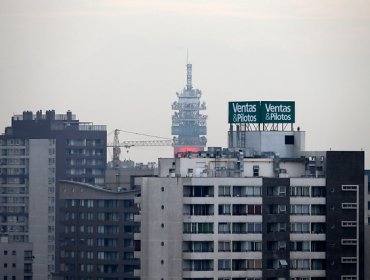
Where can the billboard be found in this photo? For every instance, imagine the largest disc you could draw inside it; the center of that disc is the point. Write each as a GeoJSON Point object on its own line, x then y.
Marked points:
{"type": "Point", "coordinates": [244, 112]}
{"type": "Point", "coordinates": [277, 112]}
{"type": "Point", "coordinates": [262, 112]}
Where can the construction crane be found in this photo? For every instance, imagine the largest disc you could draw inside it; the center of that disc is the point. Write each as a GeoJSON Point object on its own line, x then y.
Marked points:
{"type": "Point", "coordinates": [116, 145]}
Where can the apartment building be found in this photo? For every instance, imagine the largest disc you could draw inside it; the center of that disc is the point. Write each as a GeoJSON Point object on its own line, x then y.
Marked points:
{"type": "Point", "coordinates": [27, 195]}
{"type": "Point", "coordinates": [35, 152]}
{"type": "Point", "coordinates": [81, 154]}
{"type": "Point", "coordinates": [96, 232]}
{"type": "Point", "coordinates": [236, 214]}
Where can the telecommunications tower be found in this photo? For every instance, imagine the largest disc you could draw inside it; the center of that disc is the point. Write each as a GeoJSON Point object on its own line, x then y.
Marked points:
{"type": "Point", "coordinates": [189, 126]}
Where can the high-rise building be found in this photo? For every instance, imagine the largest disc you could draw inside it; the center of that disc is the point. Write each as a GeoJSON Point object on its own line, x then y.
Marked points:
{"type": "Point", "coordinates": [188, 124]}
{"type": "Point", "coordinates": [226, 215]}
{"type": "Point", "coordinates": [80, 146]}
{"type": "Point", "coordinates": [35, 153]}
{"type": "Point", "coordinates": [367, 223]}
{"type": "Point", "coordinates": [27, 195]}
{"type": "Point", "coordinates": [96, 232]}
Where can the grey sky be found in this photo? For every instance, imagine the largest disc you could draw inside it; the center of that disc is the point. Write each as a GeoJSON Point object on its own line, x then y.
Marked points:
{"type": "Point", "coordinates": [120, 63]}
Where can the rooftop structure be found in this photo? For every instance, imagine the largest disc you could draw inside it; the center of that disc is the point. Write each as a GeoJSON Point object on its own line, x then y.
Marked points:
{"type": "Point", "coordinates": [188, 124]}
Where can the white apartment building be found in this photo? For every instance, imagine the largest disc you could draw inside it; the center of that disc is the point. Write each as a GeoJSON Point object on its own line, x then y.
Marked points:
{"type": "Point", "coordinates": [224, 214]}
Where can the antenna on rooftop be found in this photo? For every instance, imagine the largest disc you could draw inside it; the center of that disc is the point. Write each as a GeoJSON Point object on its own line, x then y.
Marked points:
{"type": "Point", "coordinates": [189, 85]}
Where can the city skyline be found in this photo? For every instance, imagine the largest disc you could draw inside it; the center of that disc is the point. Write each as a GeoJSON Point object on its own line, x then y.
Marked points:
{"type": "Point", "coordinates": [121, 63]}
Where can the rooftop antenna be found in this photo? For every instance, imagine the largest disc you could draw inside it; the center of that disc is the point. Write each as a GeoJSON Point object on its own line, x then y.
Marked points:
{"type": "Point", "coordinates": [189, 85]}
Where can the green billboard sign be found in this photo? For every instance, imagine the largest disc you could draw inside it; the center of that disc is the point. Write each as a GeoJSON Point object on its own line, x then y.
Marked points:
{"type": "Point", "coordinates": [262, 112]}
{"type": "Point", "coordinates": [277, 112]}
{"type": "Point", "coordinates": [244, 112]}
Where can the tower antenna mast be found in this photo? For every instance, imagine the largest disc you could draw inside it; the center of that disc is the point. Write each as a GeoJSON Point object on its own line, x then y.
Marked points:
{"type": "Point", "coordinates": [189, 85]}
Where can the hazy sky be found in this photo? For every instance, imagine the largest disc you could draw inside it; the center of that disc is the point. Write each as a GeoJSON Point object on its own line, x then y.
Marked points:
{"type": "Point", "coordinates": [120, 63]}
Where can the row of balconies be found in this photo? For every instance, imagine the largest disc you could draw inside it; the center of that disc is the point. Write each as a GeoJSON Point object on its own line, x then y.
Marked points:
{"type": "Point", "coordinates": [254, 191]}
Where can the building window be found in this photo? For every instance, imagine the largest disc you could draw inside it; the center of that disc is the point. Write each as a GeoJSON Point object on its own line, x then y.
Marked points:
{"type": "Point", "coordinates": [349, 187]}
{"type": "Point", "coordinates": [253, 191]}
{"type": "Point", "coordinates": [318, 209]}
{"type": "Point", "coordinates": [349, 242]}
{"type": "Point", "coordinates": [224, 227]}
{"type": "Point", "coordinates": [299, 209]}
{"type": "Point", "coordinates": [276, 209]}
{"type": "Point", "coordinates": [224, 246]}
{"type": "Point", "coordinates": [90, 203]}
{"type": "Point", "coordinates": [89, 268]}
{"type": "Point", "coordinates": [254, 227]}
{"type": "Point", "coordinates": [253, 246]}
{"type": "Point", "coordinates": [303, 264]}
{"type": "Point", "coordinates": [300, 191]}
{"type": "Point", "coordinates": [276, 191]}
{"type": "Point", "coordinates": [289, 139]}
{"type": "Point", "coordinates": [198, 227]}
{"type": "Point", "coordinates": [253, 264]}
{"type": "Point", "coordinates": [224, 209]}
{"type": "Point", "coordinates": [300, 246]}
{"type": "Point", "coordinates": [318, 191]}
{"type": "Point", "coordinates": [351, 205]}
{"type": "Point", "coordinates": [349, 223]}
{"type": "Point", "coordinates": [128, 243]}
{"type": "Point", "coordinates": [349, 260]}
{"type": "Point", "coordinates": [276, 227]}
{"type": "Point", "coordinates": [256, 170]}
{"type": "Point", "coordinates": [239, 228]}
{"type": "Point", "coordinates": [224, 191]}
{"type": "Point", "coordinates": [28, 255]}
{"type": "Point", "coordinates": [224, 264]}
{"type": "Point", "coordinates": [128, 203]}
{"type": "Point", "coordinates": [128, 255]}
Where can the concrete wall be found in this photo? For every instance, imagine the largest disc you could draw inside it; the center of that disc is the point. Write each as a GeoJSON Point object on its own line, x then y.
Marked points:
{"type": "Point", "coordinates": [39, 207]}
{"type": "Point", "coordinates": [270, 141]}
{"type": "Point", "coordinates": [161, 221]}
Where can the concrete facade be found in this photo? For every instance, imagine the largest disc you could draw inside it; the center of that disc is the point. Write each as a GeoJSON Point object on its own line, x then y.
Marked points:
{"type": "Point", "coordinates": [28, 195]}
{"type": "Point", "coordinates": [42, 207]}
{"type": "Point", "coordinates": [283, 143]}
{"type": "Point", "coordinates": [96, 232]}
{"type": "Point", "coordinates": [213, 216]}
{"type": "Point", "coordinates": [15, 259]}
